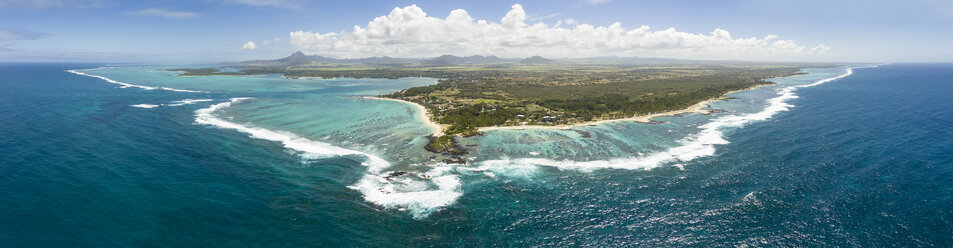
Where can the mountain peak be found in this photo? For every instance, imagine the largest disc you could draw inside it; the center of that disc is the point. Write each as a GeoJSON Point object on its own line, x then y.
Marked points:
{"type": "Point", "coordinates": [536, 60]}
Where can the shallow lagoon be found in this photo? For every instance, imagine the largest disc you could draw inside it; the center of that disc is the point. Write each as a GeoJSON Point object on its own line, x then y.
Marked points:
{"type": "Point", "coordinates": [855, 162]}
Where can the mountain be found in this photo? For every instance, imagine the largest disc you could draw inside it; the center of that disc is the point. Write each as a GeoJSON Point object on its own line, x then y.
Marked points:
{"type": "Point", "coordinates": [536, 60]}
{"type": "Point", "coordinates": [299, 58]}
{"type": "Point", "coordinates": [448, 60]}
{"type": "Point", "coordinates": [296, 58]}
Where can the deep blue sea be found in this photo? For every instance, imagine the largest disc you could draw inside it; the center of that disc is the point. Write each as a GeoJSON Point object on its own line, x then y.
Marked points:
{"type": "Point", "coordinates": [865, 160]}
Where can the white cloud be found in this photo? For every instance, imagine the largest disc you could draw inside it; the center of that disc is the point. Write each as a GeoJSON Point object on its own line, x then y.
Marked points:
{"type": "Point", "coordinates": [821, 49]}
{"type": "Point", "coordinates": [249, 46]}
{"type": "Point", "coordinates": [165, 13]}
{"type": "Point", "coordinates": [598, 1]}
{"type": "Point", "coordinates": [410, 32]}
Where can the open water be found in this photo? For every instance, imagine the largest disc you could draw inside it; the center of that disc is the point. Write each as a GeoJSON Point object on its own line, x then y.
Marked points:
{"type": "Point", "coordinates": [117, 156]}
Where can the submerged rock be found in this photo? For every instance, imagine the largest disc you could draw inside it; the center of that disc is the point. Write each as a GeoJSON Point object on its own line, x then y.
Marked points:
{"type": "Point", "coordinates": [455, 160]}
{"type": "Point", "coordinates": [394, 174]}
{"type": "Point", "coordinates": [584, 134]}
{"type": "Point", "coordinates": [654, 122]}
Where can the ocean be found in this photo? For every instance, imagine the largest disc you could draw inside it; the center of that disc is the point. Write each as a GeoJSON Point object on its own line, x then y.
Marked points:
{"type": "Point", "coordinates": [96, 155]}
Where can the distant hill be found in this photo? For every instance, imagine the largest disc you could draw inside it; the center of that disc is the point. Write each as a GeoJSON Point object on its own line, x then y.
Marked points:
{"type": "Point", "coordinates": [299, 58]}
{"type": "Point", "coordinates": [448, 60]}
{"type": "Point", "coordinates": [296, 58]}
{"type": "Point", "coordinates": [536, 60]}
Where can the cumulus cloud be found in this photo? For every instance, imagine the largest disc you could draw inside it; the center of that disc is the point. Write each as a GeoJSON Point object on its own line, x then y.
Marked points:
{"type": "Point", "coordinates": [249, 46]}
{"type": "Point", "coordinates": [12, 34]}
{"type": "Point", "coordinates": [410, 32]}
{"type": "Point", "coordinates": [165, 13]}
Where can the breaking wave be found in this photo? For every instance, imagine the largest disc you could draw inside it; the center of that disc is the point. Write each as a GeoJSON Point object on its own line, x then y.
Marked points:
{"type": "Point", "coordinates": [180, 90]}
{"type": "Point", "coordinates": [144, 105]}
{"type": "Point", "coordinates": [420, 194]}
{"type": "Point", "coordinates": [128, 85]}
{"type": "Point", "coordinates": [701, 144]}
{"type": "Point", "coordinates": [187, 102]}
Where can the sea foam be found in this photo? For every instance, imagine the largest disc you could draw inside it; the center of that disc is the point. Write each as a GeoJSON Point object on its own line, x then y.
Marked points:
{"type": "Point", "coordinates": [437, 190]}
{"type": "Point", "coordinates": [701, 144]}
{"type": "Point", "coordinates": [187, 102]}
{"type": "Point", "coordinates": [128, 85]}
{"type": "Point", "coordinates": [412, 194]}
{"type": "Point", "coordinates": [180, 90]}
{"type": "Point", "coordinates": [144, 105]}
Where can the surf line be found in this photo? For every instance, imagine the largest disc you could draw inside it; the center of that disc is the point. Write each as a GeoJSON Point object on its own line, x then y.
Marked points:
{"type": "Point", "coordinates": [377, 186]}
{"type": "Point", "coordinates": [128, 85]}
{"type": "Point", "coordinates": [701, 144]}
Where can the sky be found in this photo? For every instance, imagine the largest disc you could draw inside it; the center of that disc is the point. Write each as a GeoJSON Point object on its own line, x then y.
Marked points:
{"type": "Point", "coordinates": [210, 31]}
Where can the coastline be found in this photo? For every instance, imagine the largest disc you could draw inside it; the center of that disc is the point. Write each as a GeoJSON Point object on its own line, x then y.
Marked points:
{"type": "Point", "coordinates": [423, 115]}
{"type": "Point", "coordinates": [697, 108]}
{"type": "Point", "coordinates": [438, 128]}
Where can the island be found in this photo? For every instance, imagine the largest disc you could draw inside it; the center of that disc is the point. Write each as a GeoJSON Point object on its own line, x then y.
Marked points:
{"type": "Point", "coordinates": [481, 93]}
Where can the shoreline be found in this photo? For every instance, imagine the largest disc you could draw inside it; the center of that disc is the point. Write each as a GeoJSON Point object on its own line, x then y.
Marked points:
{"type": "Point", "coordinates": [438, 128]}
{"type": "Point", "coordinates": [423, 115]}
{"type": "Point", "coordinates": [696, 108]}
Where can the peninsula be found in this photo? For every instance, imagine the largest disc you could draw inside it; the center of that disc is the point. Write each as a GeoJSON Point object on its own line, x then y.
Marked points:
{"type": "Point", "coordinates": [480, 93]}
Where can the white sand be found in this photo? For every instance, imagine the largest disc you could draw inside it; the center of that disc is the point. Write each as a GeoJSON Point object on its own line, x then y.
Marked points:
{"type": "Point", "coordinates": [422, 114]}
{"type": "Point", "coordinates": [697, 108]}
{"type": "Point", "coordinates": [438, 128]}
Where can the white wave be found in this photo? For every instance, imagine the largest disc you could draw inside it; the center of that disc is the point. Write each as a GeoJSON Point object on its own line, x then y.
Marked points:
{"type": "Point", "coordinates": [123, 85]}
{"type": "Point", "coordinates": [128, 85]}
{"type": "Point", "coordinates": [187, 101]}
{"type": "Point", "coordinates": [419, 201]}
{"type": "Point", "coordinates": [147, 106]}
{"type": "Point", "coordinates": [181, 90]}
{"type": "Point", "coordinates": [698, 145]}
{"type": "Point", "coordinates": [412, 193]}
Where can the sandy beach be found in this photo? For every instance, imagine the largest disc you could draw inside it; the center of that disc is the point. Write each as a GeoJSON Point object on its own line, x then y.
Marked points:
{"type": "Point", "coordinates": [697, 108]}
{"type": "Point", "coordinates": [422, 114]}
{"type": "Point", "coordinates": [438, 128]}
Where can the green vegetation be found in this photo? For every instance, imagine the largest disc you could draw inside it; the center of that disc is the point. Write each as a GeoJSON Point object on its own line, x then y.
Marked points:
{"type": "Point", "coordinates": [445, 145]}
{"type": "Point", "coordinates": [556, 97]}
{"type": "Point", "coordinates": [477, 91]}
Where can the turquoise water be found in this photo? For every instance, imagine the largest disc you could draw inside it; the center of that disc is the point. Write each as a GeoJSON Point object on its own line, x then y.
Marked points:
{"type": "Point", "coordinates": [862, 160]}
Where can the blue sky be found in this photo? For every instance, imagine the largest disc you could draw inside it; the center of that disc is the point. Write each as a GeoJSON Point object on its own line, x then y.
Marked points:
{"type": "Point", "coordinates": [216, 30]}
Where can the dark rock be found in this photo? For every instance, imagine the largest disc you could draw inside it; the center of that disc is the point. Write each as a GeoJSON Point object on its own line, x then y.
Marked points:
{"type": "Point", "coordinates": [394, 174]}
{"type": "Point", "coordinates": [455, 160]}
